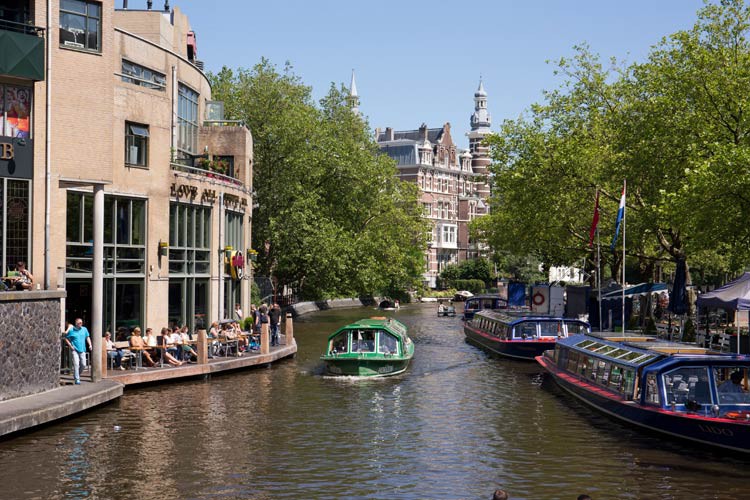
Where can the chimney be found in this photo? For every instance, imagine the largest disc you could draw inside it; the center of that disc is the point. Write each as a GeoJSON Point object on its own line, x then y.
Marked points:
{"type": "Point", "coordinates": [166, 5]}
{"type": "Point", "coordinates": [423, 131]}
{"type": "Point", "coordinates": [377, 134]}
{"type": "Point", "coordinates": [388, 134]}
{"type": "Point", "coordinates": [125, 4]}
{"type": "Point", "coordinates": [149, 4]}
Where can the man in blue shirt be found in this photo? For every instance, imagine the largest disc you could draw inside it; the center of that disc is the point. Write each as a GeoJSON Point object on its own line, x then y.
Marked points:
{"type": "Point", "coordinates": [78, 339]}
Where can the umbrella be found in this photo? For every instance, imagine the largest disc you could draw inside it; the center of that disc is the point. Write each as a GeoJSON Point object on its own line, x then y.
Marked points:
{"type": "Point", "coordinates": [678, 303]}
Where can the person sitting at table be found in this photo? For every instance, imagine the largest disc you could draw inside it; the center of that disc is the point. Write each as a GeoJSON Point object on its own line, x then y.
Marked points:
{"type": "Point", "coordinates": [213, 339]}
{"type": "Point", "coordinates": [137, 342]}
{"type": "Point", "coordinates": [242, 343]}
{"type": "Point", "coordinates": [175, 339]}
{"type": "Point", "coordinates": [168, 356]}
{"type": "Point", "coordinates": [113, 353]}
{"type": "Point", "coordinates": [23, 280]}
{"type": "Point", "coordinates": [150, 340]}
{"type": "Point", "coordinates": [188, 353]}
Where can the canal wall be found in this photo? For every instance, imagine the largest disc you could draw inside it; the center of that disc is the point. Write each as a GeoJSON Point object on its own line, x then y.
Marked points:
{"type": "Point", "coordinates": [301, 308]}
{"type": "Point", "coordinates": [29, 342]}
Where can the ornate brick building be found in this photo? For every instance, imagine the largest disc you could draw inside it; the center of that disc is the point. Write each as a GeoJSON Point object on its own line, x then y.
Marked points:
{"type": "Point", "coordinates": [452, 181]}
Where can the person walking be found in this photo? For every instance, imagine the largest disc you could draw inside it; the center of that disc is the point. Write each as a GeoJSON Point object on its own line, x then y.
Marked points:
{"type": "Point", "coordinates": [274, 316]}
{"type": "Point", "coordinates": [78, 339]}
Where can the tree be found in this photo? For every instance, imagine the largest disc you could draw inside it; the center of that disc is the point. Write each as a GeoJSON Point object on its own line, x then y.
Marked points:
{"type": "Point", "coordinates": [331, 214]}
{"type": "Point", "coordinates": [674, 126]}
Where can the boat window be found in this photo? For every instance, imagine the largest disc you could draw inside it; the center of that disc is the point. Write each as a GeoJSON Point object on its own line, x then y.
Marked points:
{"type": "Point", "coordinates": [387, 343]}
{"type": "Point", "coordinates": [731, 385]}
{"type": "Point", "coordinates": [628, 381]}
{"type": "Point", "coordinates": [340, 343]}
{"type": "Point", "coordinates": [585, 344]}
{"type": "Point", "coordinates": [573, 361]}
{"type": "Point", "coordinates": [525, 330]}
{"type": "Point", "coordinates": [652, 390]}
{"type": "Point", "coordinates": [606, 349]}
{"type": "Point", "coordinates": [363, 341]}
{"type": "Point", "coordinates": [615, 378]}
{"type": "Point", "coordinates": [617, 353]}
{"type": "Point", "coordinates": [689, 383]}
{"type": "Point", "coordinates": [594, 346]}
{"type": "Point", "coordinates": [585, 366]}
{"type": "Point", "coordinates": [603, 371]}
{"type": "Point", "coordinates": [574, 328]}
{"type": "Point", "coordinates": [550, 328]}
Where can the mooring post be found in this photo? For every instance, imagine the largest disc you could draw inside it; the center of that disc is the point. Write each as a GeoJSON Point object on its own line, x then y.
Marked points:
{"type": "Point", "coordinates": [289, 330]}
{"type": "Point", "coordinates": [202, 347]}
{"type": "Point", "coordinates": [265, 342]}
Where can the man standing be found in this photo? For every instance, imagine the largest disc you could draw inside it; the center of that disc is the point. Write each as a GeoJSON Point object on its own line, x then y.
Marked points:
{"type": "Point", "coordinates": [78, 339]}
{"type": "Point", "coordinates": [238, 313]}
{"type": "Point", "coordinates": [275, 320]}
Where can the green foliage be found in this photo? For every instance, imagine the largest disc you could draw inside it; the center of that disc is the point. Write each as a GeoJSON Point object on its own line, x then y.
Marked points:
{"type": "Point", "coordinates": [254, 293]}
{"type": "Point", "coordinates": [650, 328]}
{"type": "Point", "coordinates": [337, 219]}
{"type": "Point", "coordinates": [474, 286]}
{"type": "Point", "coordinates": [674, 126]}
{"type": "Point", "coordinates": [247, 324]}
{"type": "Point", "coordinates": [472, 269]}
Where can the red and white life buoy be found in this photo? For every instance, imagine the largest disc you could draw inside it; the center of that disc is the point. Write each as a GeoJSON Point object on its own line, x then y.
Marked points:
{"type": "Point", "coordinates": [538, 299]}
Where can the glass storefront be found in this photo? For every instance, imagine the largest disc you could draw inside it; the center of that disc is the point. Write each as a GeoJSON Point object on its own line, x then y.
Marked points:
{"type": "Point", "coordinates": [124, 260]}
{"type": "Point", "coordinates": [189, 265]}
{"type": "Point", "coordinates": [15, 223]}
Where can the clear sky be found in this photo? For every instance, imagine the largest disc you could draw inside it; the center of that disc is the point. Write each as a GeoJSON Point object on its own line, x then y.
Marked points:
{"type": "Point", "coordinates": [418, 61]}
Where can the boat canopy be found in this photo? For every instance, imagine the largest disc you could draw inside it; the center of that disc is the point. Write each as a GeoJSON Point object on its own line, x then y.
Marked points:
{"type": "Point", "coordinates": [620, 353]}
{"type": "Point", "coordinates": [641, 289]}
{"type": "Point", "coordinates": [391, 325]}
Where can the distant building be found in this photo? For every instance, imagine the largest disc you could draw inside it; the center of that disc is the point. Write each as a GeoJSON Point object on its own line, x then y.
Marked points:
{"type": "Point", "coordinates": [452, 181]}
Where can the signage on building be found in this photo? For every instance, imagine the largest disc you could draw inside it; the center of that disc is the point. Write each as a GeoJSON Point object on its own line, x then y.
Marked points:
{"type": "Point", "coordinates": [16, 157]}
{"type": "Point", "coordinates": [190, 193]}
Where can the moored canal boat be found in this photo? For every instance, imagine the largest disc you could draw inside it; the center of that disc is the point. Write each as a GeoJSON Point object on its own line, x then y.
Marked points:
{"type": "Point", "coordinates": [519, 335]}
{"type": "Point", "coordinates": [481, 302]}
{"type": "Point", "coordinates": [676, 389]}
{"type": "Point", "coordinates": [374, 347]}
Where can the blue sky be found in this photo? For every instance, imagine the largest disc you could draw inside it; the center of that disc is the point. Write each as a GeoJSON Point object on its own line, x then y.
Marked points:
{"type": "Point", "coordinates": [420, 61]}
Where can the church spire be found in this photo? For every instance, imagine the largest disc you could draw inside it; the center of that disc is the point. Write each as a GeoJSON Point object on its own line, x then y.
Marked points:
{"type": "Point", "coordinates": [480, 119]}
{"type": "Point", "coordinates": [353, 96]}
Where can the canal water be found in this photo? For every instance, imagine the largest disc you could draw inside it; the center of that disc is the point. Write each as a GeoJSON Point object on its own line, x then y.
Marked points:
{"type": "Point", "coordinates": [457, 425]}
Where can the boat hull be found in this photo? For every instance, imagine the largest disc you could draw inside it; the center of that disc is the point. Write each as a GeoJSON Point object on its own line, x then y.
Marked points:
{"type": "Point", "coordinates": [518, 349]}
{"type": "Point", "coordinates": [366, 367]}
{"type": "Point", "coordinates": [720, 432]}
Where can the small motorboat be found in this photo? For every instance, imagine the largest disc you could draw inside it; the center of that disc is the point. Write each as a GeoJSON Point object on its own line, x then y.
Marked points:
{"type": "Point", "coordinates": [446, 310]}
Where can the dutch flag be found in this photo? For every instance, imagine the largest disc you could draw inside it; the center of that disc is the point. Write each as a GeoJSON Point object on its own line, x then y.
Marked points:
{"type": "Point", "coordinates": [620, 216]}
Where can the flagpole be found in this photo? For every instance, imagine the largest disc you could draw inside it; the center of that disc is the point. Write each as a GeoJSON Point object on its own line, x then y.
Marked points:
{"type": "Point", "coordinates": [624, 225]}
{"type": "Point", "coordinates": [599, 274]}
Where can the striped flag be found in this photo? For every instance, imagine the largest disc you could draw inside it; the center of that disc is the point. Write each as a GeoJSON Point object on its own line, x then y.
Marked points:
{"type": "Point", "coordinates": [620, 216]}
{"type": "Point", "coordinates": [595, 221]}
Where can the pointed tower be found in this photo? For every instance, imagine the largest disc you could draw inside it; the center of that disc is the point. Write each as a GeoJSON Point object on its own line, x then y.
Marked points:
{"type": "Point", "coordinates": [353, 96]}
{"type": "Point", "coordinates": [480, 127]}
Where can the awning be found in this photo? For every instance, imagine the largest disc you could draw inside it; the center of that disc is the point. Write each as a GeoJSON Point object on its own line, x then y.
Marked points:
{"type": "Point", "coordinates": [637, 290]}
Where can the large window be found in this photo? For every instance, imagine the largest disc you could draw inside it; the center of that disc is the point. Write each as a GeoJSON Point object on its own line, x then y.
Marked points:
{"type": "Point", "coordinates": [80, 24]}
{"type": "Point", "coordinates": [140, 75]}
{"type": "Point", "coordinates": [15, 223]}
{"type": "Point", "coordinates": [136, 145]}
{"type": "Point", "coordinates": [124, 259]}
{"type": "Point", "coordinates": [187, 120]}
{"type": "Point", "coordinates": [15, 111]}
{"type": "Point", "coordinates": [234, 237]}
{"type": "Point", "coordinates": [189, 265]}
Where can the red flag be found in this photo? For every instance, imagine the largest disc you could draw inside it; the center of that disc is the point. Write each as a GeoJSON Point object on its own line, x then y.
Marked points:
{"type": "Point", "coordinates": [595, 221]}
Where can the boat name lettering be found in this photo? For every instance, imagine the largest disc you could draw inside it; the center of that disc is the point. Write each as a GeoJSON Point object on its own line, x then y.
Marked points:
{"type": "Point", "coordinates": [716, 430]}
{"type": "Point", "coordinates": [385, 369]}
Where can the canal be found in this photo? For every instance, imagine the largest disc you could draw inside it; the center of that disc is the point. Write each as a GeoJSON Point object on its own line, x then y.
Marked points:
{"type": "Point", "coordinates": [457, 425]}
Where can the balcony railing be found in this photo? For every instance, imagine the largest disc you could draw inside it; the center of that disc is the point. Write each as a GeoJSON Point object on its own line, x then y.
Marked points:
{"type": "Point", "coordinates": [208, 173]}
{"type": "Point", "coordinates": [223, 123]}
{"type": "Point", "coordinates": [25, 28]}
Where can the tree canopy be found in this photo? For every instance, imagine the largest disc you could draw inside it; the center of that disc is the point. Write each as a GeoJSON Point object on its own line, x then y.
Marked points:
{"type": "Point", "coordinates": [331, 211]}
{"type": "Point", "coordinates": [674, 126]}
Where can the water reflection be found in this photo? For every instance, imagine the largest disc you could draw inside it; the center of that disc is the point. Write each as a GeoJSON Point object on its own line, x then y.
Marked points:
{"type": "Point", "coordinates": [457, 424]}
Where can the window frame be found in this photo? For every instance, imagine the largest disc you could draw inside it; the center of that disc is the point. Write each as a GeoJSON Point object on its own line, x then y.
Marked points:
{"type": "Point", "coordinates": [86, 32]}
{"type": "Point", "coordinates": [132, 136]}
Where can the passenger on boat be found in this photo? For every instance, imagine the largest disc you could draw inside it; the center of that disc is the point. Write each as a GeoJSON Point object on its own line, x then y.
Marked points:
{"type": "Point", "coordinates": [733, 385]}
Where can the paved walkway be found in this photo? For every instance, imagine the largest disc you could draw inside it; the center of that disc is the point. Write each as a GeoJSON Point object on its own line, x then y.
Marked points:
{"type": "Point", "coordinates": [23, 413]}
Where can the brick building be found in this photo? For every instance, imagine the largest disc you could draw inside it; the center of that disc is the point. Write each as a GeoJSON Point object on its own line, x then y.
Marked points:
{"type": "Point", "coordinates": [121, 182]}
{"type": "Point", "coordinates": [452, 181]}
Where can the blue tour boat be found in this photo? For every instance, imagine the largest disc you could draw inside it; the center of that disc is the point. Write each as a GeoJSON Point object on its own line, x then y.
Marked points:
{"type": "Point", "coordinates": [482, 302]}
{"type": "Point", "coordinates": [519, 334]}
{"type": "Point", "coordinates": [673, 388]}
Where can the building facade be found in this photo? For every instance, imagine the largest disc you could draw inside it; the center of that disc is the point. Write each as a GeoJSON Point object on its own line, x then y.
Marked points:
{"type": "Point", "coordinates": [452, 182]}
{"type": "Point", "coordinates": [122, 184]}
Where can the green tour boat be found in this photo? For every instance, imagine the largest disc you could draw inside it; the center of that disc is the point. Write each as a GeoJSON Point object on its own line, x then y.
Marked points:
{"type": "Point", "coordinates": [374, 347]}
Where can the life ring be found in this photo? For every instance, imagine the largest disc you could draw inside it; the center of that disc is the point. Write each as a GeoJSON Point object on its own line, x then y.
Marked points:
{"type": "Point", "coordinates": [538, 299]}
